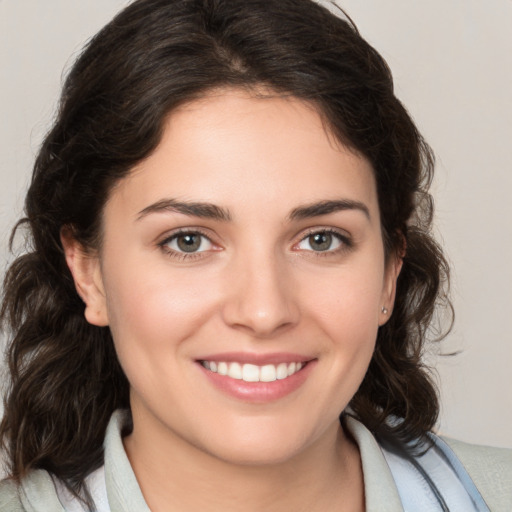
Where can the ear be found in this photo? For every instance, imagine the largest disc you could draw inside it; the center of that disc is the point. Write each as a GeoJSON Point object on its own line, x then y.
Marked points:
{"type": "Point", "coordinates": [86, 272]}
{"type": "Point", "coordinates": [393, 268]}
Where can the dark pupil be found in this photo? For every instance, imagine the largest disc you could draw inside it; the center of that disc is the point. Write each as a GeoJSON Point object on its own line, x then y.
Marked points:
{"type": "Point", "coordinates": [320, 241]}
{"type": "Point", "coordinates": [189, 243]}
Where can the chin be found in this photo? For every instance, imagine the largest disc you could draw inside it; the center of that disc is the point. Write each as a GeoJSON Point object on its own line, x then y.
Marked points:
{"type": "Point", "coordinates": [256, 453]}
{"type": "Point", "coordinates": [259, 443]}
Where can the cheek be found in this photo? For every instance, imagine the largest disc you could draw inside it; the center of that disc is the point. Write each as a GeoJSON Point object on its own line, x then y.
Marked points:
{"type": "Point", "coordinates": [348, 302]}
{"type": "Point", "coordinates": [153, 321]}
{"type": "Point", "coordinates": [346, 308]}
{"type": "Point", "coordinates": [151, 314]}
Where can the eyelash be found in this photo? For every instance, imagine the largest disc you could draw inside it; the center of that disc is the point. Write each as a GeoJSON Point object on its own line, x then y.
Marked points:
{"type": "Point", "coordinates": [183, 256]}
{"type": "Point", "coordinates": [345, 243]}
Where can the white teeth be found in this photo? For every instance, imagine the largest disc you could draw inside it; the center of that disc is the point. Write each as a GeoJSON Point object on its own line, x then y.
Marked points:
{"type": "Point", "coordinates": [222, 369]}
{"type": "Point", "coordinates": [268, 373]}
{"type": "Point", "coordinates": [282, 371]}
{"type": "Point", "coordinates": [235, 371]}
{"type": "Point", "coordinates": [252, 372]}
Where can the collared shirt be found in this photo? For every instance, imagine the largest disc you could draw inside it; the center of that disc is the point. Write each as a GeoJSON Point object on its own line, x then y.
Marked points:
{"type": "Point", "coordinates": [392, 483]}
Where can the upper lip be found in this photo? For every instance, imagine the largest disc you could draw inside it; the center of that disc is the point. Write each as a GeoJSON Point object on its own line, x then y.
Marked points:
{"type": "Point", "coordinates": [257, 359]}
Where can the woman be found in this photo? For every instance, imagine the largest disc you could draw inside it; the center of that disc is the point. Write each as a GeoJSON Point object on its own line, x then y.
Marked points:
{"type": "Point", "coordinates": [230, 249]}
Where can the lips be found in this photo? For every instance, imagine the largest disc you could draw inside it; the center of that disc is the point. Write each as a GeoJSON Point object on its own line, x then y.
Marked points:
{"type": "Point", "coordinates": [257, 378]}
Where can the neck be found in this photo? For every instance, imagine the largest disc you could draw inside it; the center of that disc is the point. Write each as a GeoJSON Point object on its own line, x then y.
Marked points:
{"type": "Point", "coordinates": [173, 475]}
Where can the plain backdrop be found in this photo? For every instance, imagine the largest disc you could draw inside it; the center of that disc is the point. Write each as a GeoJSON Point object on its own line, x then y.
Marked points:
{"type": "Point", "coordinates": [451, 60]}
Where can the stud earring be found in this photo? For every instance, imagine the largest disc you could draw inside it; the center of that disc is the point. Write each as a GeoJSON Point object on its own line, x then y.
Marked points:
{"type": "Point", "coordinates": [384, 310]}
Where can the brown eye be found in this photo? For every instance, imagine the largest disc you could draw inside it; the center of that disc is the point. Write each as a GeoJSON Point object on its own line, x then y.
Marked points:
{"type": "Point", "coordinates": [323, 241]}
{"type": "Point", "coordinates": [320, 241]}
{"type": "Point", "coordinates": [187, 243]}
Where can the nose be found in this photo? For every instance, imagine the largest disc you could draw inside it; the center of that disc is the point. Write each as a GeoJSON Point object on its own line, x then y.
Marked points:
{"type": "Point", "coordinates": [261, 298]}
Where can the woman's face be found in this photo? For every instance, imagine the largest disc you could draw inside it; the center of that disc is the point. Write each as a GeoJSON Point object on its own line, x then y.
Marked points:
{"type": "Point", "coordinates": [247, 245]}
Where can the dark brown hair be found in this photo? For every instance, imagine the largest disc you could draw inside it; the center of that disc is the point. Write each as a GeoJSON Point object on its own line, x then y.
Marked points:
{"type": "Point", "coordinates": [156, 55]}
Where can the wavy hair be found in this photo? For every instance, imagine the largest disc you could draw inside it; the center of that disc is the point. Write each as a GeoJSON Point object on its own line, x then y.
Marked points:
{"type": "Point", "coordinates": [65, 379]}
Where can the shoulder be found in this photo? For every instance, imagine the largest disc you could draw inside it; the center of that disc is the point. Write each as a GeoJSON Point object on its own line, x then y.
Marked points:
{"type": "Point", "coordinates": [483, 458]}
{"type": "Point", "coordinates": [35, 493]}
{"type": "Point", "coordinates": [9, 497]}
{"type": "Point", "coordinates": [491, 470]}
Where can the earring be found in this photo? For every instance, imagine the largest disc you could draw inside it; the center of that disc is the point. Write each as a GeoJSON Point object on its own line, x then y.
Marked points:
{"type": "Point", "coordinates": [384, 310]}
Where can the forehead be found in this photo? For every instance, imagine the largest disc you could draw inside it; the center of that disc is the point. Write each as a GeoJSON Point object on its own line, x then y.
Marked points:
{"type": "Point", "coordinates": [239, 150]}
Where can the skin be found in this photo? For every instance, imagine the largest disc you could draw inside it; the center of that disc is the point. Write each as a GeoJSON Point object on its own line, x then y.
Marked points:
{"type": "Point", "coordinates": [257, 285]}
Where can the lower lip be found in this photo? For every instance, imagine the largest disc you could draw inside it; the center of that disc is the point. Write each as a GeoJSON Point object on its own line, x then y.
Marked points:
{"type": "Point", "coordinates": [259, 392]}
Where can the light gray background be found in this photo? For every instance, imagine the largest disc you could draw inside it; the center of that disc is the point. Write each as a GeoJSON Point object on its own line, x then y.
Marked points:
{"type": "Point", "coordinates": [452, 65]}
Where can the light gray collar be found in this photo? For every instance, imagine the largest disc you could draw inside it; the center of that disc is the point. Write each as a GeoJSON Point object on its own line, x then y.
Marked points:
{"type": "Point", "coordinates": [124, 494]}
{"type": "Point", "coordinates": [381, 493]}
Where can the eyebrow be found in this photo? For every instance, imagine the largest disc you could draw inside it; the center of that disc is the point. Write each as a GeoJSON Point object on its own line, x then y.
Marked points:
{"type": "Point", "coordinates": [214, 212]}
{"type": "Point", "coordinates": [202, 210]}
{"type": "Point", "coordinates": [326, 207]}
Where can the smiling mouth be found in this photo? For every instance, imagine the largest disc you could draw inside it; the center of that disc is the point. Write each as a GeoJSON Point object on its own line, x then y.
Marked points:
{"type": "Point", "coordinates": [254, 373]}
